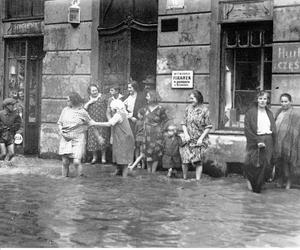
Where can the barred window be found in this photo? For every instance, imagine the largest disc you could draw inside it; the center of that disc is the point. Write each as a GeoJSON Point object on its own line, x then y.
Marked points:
{"type": "Point", "coordinates": [246, 68]}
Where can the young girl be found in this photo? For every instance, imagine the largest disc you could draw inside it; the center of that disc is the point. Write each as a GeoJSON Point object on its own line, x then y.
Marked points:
{"type": "Point", "coordinates": [171, 157]}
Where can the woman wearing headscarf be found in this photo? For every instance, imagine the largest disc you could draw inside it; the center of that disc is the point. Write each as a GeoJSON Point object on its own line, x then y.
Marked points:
{"type": "Point", "coordinates": [288, 138]}
{"type": "Point", "coordinates": [123, 141]}
{"type": "Point", "coordinates": [260, 132]}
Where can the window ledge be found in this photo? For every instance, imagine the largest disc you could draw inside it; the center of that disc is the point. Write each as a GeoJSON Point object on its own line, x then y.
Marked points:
{"type": "Point", "coordinates": [227, 132]}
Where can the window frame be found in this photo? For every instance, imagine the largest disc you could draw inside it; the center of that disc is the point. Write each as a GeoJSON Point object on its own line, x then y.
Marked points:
{"type": "Point", "coordinates": [250, 27]}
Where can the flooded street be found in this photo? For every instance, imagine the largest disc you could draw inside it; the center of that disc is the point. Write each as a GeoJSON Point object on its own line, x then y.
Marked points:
{"type": "Point", "coordinates": [41, 209]}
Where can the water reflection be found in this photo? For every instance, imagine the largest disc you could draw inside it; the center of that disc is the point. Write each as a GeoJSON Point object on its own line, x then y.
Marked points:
{"type": "Point", "coordinates": [39, 210]}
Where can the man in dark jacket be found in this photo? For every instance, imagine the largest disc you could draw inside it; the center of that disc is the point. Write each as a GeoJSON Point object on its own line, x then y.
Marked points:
{"type": "Point", "coordinates": [10, 125]}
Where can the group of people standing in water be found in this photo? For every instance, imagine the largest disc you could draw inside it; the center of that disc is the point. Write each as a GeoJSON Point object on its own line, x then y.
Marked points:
{"type": "Point", "coordinates": [273, 145]}
{"type": "Point", "coordinates": [137, 127]}
{"type": "Point", "coordinates": [141, 134]}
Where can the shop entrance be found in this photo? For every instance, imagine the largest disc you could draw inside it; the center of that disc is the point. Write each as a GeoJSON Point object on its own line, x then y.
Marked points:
{"type": "Point", "coordinates": [22, 82]}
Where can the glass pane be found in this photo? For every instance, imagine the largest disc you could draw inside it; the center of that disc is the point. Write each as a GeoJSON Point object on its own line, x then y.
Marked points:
{"type": "Point", "coordinates": [243, 38]}
{"type": "Point", "coordinates": [255, 38]}
{"type": "Point", "coordinates": [22, 49]}
{"type": "Point", "coordinates": [16, 78]}
{"type": "Point", "coordinates": [231, 38]}
{"type": "Point", "coordinates": [268, 37]}
{"type": "Point", "coordinates": [25, 8]}
{"type": "Point", "coordinates": [33, 84]}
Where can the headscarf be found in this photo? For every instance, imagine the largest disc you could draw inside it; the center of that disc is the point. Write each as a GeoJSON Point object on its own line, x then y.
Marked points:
{"type": "Point", "coordinates": [118, 105]}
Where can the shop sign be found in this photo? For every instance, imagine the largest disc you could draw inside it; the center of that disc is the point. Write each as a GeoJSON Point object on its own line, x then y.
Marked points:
{"type": "Point", "coordinates": [182, 79]}
{"type": "Point", "coordinates": [25, 28]}
{"type": "Point", "coordinates": [175, 4]}
{"type": "Point", "coordinates": [286, 58]}
{"type": "Point", "coordinates": [246, 10]}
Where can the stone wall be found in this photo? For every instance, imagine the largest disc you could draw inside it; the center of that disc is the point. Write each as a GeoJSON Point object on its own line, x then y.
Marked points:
{"type": "Point", "coordinates": [66, 66]}
{"type": "Point", "coordinates": [286, 50]}
{"type": "Point", "coordinates": [185, 49]}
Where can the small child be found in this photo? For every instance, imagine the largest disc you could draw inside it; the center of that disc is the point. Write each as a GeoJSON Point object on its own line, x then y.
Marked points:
{"type": "Point", "coordinates": [10, 129]}
{"type": "Point", "coordinates": [171, 156]}
{"type": "Point", "coordinates": [139, 135]}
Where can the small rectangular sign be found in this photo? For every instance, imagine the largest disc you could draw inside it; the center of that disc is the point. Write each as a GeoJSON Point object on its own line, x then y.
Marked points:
{"type": "Point", "coordinates": [175, 4]}
{"type": "Point", "coordinates": [182, 79]}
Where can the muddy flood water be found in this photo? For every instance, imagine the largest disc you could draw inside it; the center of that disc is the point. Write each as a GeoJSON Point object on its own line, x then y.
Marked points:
{"type": "Point", "coordinates": [41, 209]}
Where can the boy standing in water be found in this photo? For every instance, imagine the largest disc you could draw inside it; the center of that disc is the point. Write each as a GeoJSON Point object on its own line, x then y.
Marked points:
{"type": "Point", "coordinates": [171, 156]}
{"type": "Point", "coordinates": [10, 124]}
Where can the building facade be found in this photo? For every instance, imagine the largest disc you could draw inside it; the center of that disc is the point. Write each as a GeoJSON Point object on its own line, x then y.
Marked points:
{"type": "Point", "coordinates": [230, 48]}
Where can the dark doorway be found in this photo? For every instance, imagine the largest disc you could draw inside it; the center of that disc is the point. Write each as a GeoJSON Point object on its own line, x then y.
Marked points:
{"type": "Point", "coordinates": [128, 41]}
{"type": "Point", "coordinates": [23, 81]}
{"type": "Point", "coordinates": [143, 54]}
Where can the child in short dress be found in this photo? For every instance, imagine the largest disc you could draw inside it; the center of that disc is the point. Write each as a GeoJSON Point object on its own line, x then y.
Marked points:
{"type": "Point", "coordinates": [171, 157]}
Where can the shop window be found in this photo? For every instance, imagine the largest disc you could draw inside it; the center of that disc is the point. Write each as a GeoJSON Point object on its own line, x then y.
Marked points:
{"type": "Point", "coordinates": [246, 68]}
{"type": "Point", "coordinates": [23, 59]}
{"type": "Point", "coordinates": [24, 8]}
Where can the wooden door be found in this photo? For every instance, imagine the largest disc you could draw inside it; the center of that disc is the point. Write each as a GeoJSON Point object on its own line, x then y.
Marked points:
{"type": "Point", "coordinates": [115, 60]}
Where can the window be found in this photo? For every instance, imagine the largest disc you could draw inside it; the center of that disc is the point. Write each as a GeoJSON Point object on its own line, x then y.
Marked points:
{"type": "Point", "coordinates": [246, 68]}
{"type": "Point", "coordinates": [23, 57]}
{"type": "Point", "coordinates": [24, 8]}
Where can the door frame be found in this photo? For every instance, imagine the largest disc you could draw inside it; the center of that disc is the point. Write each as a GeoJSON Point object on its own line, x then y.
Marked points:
{"type": "Point", "coordinates": [26, 146]}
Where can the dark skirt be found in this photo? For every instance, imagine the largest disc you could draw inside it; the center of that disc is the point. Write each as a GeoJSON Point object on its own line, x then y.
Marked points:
{"type": "Point", "coordinates": [171, 161]}
{"type": "Point", "coordinates": [258, 167]}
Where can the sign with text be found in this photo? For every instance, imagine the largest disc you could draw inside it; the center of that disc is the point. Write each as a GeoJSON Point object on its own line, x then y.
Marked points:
{"type": "Point", "coordinates": [182, 79]}
{"type": "Point", "coordinates": [246, 10]}
{"type": "Point", "coordinates": [175, 4]}
{"type": "Point", "coordinates": [25, 28]}
{"type": "Point", "coordinates": [286, 58]}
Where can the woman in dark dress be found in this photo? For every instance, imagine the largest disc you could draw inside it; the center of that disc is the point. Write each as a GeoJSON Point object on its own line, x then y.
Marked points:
{"type": "Point", "coordinates": [155, 120]}
{"type": "Point", "coordinates": [98, 137]}
{"type": "Point", "coordinates": [260, 132]}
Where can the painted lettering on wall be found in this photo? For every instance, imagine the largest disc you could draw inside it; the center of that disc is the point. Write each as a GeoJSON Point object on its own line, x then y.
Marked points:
{"type": "Point", "coordinates": [25, 28]}
{"type": "Point", "coordinates": [286, 58]}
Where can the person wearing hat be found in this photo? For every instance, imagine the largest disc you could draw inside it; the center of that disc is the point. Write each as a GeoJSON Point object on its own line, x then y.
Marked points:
{"type": "Point", "coordinates": [10, 128]}
{"type": "Point", "coordinates": [123, 140]}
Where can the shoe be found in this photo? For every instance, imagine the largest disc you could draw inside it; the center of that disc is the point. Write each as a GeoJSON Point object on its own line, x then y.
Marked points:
{"type": "Point", "coordinates": [93, 161]}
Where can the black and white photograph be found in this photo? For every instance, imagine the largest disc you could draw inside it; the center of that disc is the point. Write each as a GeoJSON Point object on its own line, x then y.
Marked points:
{"type": "Point", "coordinates": [149, 124]}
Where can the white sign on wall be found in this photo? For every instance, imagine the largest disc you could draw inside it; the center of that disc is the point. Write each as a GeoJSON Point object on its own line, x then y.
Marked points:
{"type": "Point", "coordinates": [182, 79]}
{"type": "Point", "coordinates": [175, 4]}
